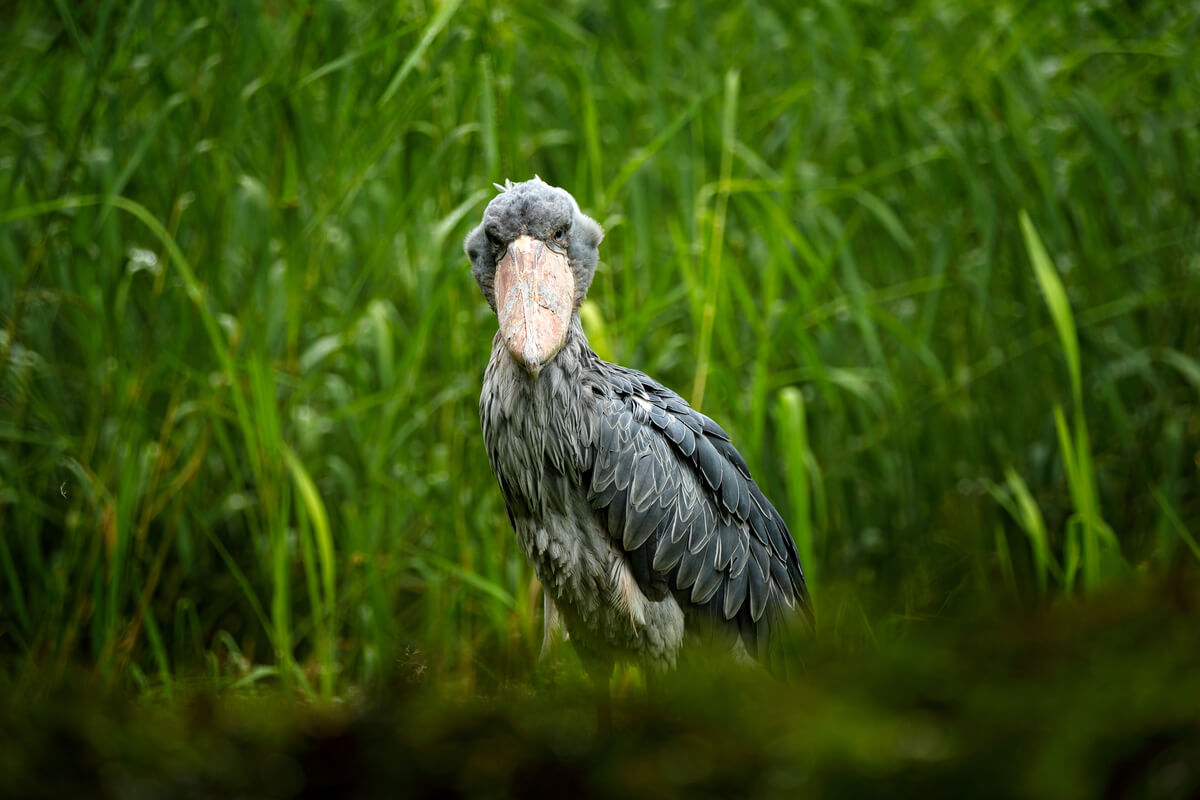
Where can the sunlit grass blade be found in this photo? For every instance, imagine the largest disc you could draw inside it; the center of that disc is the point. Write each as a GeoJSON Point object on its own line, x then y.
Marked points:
{"type": "Point", "coordinates": [315, 510]}
{"type": "Point", "coordinates": [1099, 549]}
{"type": "Point", "coordinates": [1024, 510]}
{"type": "Point", "coordinates": [794, 445]}
{"type": "Point", "coordinates": [1056, 300]}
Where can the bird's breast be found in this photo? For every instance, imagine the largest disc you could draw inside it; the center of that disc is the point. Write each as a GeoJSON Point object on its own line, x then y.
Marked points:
{"type": "Point", "coordinates": [537, 432]}
{"type": "Point", "coordinates": [539, 436]}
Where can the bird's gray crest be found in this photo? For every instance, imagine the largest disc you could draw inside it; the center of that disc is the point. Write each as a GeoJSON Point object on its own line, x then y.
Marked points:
{"type": "Point", "coordinates": [539, 209]}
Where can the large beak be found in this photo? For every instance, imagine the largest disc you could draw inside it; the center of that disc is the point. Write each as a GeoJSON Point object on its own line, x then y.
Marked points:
{"type": "Point", "coordinates": [534, 294]}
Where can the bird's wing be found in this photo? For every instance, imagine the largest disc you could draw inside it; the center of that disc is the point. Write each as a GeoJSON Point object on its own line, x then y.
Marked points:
{"type": "Point", "coordinates": [672, 489]}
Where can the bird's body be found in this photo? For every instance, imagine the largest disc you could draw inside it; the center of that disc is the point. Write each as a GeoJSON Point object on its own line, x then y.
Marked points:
{"type": "Point", "coordinates": [540, 436]}
{"type": "Point", "coordinates": [641, 519]}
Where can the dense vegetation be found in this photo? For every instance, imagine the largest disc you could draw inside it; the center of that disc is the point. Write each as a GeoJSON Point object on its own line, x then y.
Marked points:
{"type": "Point", "coordinates": [936, 267]}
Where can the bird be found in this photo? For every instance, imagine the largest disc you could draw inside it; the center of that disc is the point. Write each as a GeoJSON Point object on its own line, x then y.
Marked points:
{"type": "Point", "coordinates": [638, 514]}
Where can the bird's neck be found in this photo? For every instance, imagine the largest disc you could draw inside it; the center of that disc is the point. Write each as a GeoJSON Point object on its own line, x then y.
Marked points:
{"type": "Point", "coordinates": [577, 346]}
{"type": "Point", "coordinates": [575, 336]}
{"type": "Point", "coordinates": [531, 423]}
{"type": "Point", "coordinates": [574, 355]}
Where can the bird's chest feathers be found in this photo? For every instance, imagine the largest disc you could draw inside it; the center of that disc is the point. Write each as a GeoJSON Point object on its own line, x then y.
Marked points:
{"type": "Point", "coordinates": [537, 432]}
{"type": "Point", "coordinates": [540, 437]}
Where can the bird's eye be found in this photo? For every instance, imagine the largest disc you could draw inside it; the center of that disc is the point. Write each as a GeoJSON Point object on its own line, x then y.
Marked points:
{"type": "Point", "coordinates": [560, 235]}
{"type": "Point", "coordinates": [494, 238]}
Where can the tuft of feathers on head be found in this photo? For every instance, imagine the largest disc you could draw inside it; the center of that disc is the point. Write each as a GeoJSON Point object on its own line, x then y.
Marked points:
{"type": "Point", "coordinates": [508, 184]}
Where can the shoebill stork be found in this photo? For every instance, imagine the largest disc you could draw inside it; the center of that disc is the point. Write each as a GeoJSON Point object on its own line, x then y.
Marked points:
{"type": "Point", "coordinates": [638, 514]}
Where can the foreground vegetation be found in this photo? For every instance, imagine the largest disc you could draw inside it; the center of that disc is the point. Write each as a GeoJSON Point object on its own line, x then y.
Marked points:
{"type": "Point", "coordinates": [937, 270]}
{"type": "Point", "coordinates": [1098, 700]}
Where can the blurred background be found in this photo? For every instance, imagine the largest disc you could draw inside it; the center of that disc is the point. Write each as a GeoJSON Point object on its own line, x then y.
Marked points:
{"type": "Point", "coordinates": [934, 266]}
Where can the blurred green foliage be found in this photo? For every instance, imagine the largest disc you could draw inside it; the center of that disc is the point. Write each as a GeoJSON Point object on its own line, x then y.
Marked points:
{"type": "Point", "coordinates": [935, 266]}
{"type": "Point", "coordinates": [1061, 705]}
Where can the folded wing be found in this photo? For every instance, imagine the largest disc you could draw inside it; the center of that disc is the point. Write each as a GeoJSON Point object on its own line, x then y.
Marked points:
{"type": "Point", "coordinates": [672, 489]}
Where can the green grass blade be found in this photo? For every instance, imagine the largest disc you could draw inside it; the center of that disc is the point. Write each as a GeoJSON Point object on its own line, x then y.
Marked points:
{"type": "Point", "coordinates": [1056, 300]}
{"type": "Point", "coordinates": [793, 443]}
{"type": "Point", "coordinates": [320, 521]}
{"type": "Point", "coordinates": [440, 19]}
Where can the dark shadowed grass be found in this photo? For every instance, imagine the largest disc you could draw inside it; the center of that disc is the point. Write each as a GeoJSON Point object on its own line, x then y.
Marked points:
{"type": "Point", "coordinates": [935, 268]}
{"type": "Point", "coordinates": [1095, 700]}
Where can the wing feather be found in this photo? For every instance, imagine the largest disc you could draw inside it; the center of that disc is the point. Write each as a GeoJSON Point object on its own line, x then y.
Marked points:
{"type": "Point", "coordinates": [710, 578]}
{"type": "Point", "coordinates": [674, 491]}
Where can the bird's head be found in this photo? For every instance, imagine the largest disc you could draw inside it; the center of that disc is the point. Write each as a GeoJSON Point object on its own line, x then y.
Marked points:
{"type": "Point", "coordinates": [533, 256]}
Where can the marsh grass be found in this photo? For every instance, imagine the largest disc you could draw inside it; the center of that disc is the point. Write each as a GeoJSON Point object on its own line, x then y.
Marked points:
{"type": "Point", "coordinates": [241, 347]}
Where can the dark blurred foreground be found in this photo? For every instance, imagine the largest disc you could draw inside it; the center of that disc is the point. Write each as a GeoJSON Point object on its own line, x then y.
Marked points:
{"type": "Point", "coordinates": [1099, 698]}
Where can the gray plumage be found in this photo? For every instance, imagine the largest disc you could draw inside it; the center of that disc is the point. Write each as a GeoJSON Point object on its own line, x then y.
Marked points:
{"type": "Point", "coordinates": [638, 514]}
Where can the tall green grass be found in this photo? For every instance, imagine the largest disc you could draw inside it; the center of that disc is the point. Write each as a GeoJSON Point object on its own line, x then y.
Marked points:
{"type": "Point", "coordinates": [240, 347]}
